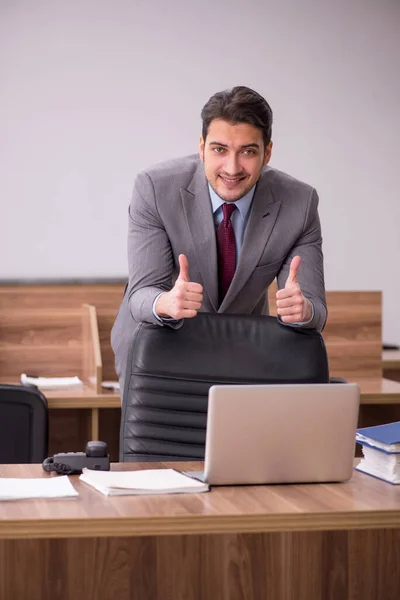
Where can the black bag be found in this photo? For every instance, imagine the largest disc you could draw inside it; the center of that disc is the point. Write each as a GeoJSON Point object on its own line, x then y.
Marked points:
{"type": "Point", "coordinates": [170, 371]}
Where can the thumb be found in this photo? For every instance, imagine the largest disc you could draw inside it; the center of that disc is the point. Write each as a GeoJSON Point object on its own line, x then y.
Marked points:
{"type": "Point", "coordinates": [183, 268]}
{"type": "Point", "coordinates": [294, 268]}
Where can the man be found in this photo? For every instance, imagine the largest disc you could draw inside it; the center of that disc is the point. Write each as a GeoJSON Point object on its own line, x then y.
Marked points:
{"type": "Point", "coordinates": [211, 232]}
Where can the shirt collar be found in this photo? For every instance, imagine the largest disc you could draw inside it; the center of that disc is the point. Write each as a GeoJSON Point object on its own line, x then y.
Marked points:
{"type": "Point", "coordinates": [243, 204]}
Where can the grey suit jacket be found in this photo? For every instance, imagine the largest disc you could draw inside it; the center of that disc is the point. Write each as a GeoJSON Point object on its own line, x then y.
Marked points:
{"type": "Point", "coordinates": [171, 214]}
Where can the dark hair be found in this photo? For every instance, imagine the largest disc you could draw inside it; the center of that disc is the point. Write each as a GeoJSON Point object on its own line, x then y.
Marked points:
{"type": "Point", "coordinates": [239, 105]}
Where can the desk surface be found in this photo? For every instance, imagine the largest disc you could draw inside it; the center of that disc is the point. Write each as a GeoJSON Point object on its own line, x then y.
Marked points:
{"type": "Point", "coordinates": [391, 359]}
{"type": "Point", "coordinates": [373, 391]}
{"type": "Point", "coordinates": [379, 391]}
{"type": "Point", "coordinates": [84, 397]}
{"type": "Point", "coordinates": [361, 503]}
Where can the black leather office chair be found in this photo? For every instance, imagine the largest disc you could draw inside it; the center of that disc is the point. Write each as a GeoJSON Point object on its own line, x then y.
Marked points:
{"type": "Point", "coordinates": [169, 373]}
{"type": "Point", "coordinates": [23, 424]}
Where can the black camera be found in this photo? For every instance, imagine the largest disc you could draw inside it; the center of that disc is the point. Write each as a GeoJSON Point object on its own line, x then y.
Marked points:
{"type": "Point", "coordinates": [71, 463]}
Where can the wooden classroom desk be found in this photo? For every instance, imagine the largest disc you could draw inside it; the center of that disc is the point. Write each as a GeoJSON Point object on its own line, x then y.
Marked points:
{"type": "Point", "coordinates": [391, 364]}
{"type": "Point", "coordinates": [378, 391]}
{"type": "Point", "coordinates": [373, 391]}
{"type": "Point", "coordinates": [64, 330]}
{"type": "Point", "coordinates": [380, 402]}
{"type": "Point", "coordinates": [293, 542]}
{"type": "Point", "coordinates": [85, 397]}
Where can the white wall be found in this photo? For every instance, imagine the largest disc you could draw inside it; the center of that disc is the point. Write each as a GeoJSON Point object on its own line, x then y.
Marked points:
{"type": "Point", "coordinates": [92, 91]}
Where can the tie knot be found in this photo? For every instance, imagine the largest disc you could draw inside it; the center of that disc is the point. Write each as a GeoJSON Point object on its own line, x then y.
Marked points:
{"type": "Point", "coordinates": [228, 208]}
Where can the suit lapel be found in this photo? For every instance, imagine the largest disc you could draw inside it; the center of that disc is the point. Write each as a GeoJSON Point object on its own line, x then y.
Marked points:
{"type": "Point", "coordinates": [199, 218]}
{"type": "Point", "coordinates": [263, 214]}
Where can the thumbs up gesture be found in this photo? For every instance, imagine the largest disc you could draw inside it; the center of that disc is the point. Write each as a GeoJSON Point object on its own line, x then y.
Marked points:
{"type": "Point", "coordinates": [291, 305]}
{"type": "Point", "coordinates": [185, 298]}
{"type": "Point", "coordinates": [183, 268]}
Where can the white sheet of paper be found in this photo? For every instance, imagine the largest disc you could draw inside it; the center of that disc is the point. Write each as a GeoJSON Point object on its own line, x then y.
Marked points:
{"type": "Point", "coordinates": [12, 488]}
{"type": "Point", "coordinates": [149, 481]}
{"type": "Point", "coordinates": [52, 383]}
{"type": "Point", "coordinates": [110, 385]}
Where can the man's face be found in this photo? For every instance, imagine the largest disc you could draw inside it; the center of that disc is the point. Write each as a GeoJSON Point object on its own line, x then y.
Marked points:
{"type": "Point", "coordinates": [233, 157]}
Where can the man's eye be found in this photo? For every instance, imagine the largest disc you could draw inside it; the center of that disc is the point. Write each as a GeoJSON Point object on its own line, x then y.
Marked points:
{"type": "Point", "coordinates": [218, 149]}
{"type": "Point", "coordinates": [249, 152]}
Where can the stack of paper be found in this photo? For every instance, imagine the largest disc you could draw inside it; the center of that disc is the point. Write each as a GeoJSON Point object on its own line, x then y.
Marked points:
{"type": "Point", "coordinates": [51, 383]}
{"type": "Point", "coordinates": [43, 487]}
{"type": "Point", "coordinates": [110, 385]}
{"type": "Point", "coordinates": [151, 481]}
{"type": "Point", "coordinates": [381, 451]}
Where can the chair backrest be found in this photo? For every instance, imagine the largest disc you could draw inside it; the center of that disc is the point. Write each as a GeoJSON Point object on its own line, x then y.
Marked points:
{"type": "Point", "coordinates": [169, 373]}
{"type": "Point", "coordinates": [23, 425]}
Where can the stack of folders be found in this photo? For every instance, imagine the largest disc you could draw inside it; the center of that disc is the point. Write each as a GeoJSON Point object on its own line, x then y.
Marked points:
{"type": "Point", "coordinates": [149, 481]}
{"type": "Point", "coordinates": [381, 451]}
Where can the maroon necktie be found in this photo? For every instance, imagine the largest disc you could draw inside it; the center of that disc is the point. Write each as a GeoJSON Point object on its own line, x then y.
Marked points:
{"type": "Point", "coordinates": [226, 250]}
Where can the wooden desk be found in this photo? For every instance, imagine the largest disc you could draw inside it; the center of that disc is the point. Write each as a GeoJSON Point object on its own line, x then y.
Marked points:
{"type": "Point", "coordinates": [300, 542]}
{"type": "Point", "coordinates": [380, 403]}
{"type": "Point", "coordinates": [373, 391]}
{"type": "Point", "coordinates": [378, 391]}
{"type": "Point", "coordinates": [99, 424]}
{"type": "Point", "coordinates": [45, 329]}
{"type": "Point", "coordinates": [379, 399]}
{"type": "Point", "coordinates": [77, 415]}
{"type": "Point", "coordinates": [391, 364]}
{"type": "Point", "coordinates": [60, 342]}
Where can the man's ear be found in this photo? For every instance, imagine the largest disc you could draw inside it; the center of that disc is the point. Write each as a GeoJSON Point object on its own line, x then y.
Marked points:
{"type": "Point", "coordinates": [267, 154]}
{"type": "Point", "coordinates": [201, 148]}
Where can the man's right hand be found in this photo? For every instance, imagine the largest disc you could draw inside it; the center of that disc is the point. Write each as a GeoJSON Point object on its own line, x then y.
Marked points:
{"type": "Point", "coordinates": [185, 298]}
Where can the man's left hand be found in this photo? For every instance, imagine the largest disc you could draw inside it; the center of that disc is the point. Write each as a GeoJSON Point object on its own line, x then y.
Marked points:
{"type": "Point", "coordinates": [292, 306]}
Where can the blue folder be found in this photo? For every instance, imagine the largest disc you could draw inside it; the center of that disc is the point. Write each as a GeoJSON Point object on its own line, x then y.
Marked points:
{"type": "Point", "coordinates": [388, 434]}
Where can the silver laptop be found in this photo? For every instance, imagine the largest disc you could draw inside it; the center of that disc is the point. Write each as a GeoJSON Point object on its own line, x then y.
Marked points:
{"type": "Point", "coordinates": [258, 434]}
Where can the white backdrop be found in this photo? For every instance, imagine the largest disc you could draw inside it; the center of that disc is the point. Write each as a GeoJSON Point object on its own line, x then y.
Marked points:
{"type": "Point", "coordinates": [92, 91]}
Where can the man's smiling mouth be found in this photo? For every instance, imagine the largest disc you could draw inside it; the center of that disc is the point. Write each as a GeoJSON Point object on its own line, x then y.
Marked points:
{"type": "Point", "coordinates": [233, 180]}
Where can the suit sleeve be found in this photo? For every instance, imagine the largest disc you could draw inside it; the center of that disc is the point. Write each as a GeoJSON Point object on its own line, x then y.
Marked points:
{"type": "Point", "coordinates": [150, 258]}
{"type": "Point", "coordinates": [311, 273]}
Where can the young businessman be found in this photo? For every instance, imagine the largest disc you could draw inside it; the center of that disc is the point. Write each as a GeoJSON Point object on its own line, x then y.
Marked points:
{"type": "Point", "coordinates": [210, 232]}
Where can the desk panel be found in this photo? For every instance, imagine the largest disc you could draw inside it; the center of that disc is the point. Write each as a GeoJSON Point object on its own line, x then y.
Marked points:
{"type": "Point", "coordinates": [361, 503]}
{"type": "Point", "coordinates": [338, 565]}
{"type": "Point", "coordinates": [46, 343]}
{"type": "Point", "coordinates": [63, 296]}
{"type": "Point", "coordinates": [302, 542]}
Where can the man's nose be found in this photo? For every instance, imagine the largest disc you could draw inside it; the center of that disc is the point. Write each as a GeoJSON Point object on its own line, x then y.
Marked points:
{"type": "Point", "coordinates": [232, 165]}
